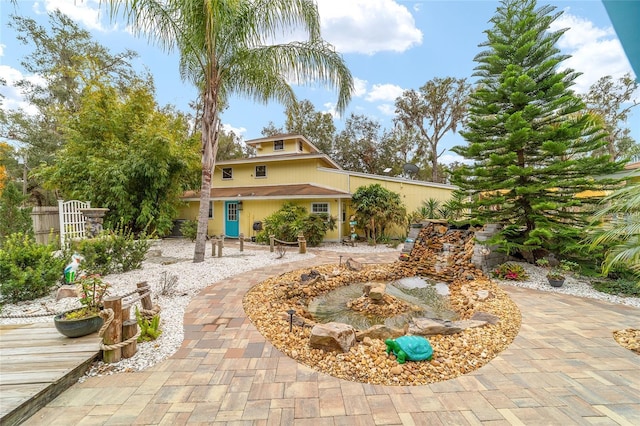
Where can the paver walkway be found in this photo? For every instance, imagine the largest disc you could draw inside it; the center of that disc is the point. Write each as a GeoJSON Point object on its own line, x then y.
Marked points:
{"type": "Point", "coordinates": [564, 368]}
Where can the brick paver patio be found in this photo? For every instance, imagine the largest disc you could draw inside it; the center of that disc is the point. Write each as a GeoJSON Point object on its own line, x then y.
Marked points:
{"type": "Point", "coordinates": [564, 368]}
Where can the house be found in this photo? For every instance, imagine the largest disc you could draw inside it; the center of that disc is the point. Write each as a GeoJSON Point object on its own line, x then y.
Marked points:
{"type": "Point", "coordinates": [290, 168]}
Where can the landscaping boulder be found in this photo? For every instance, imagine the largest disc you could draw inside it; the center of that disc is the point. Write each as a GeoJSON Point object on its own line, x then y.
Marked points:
{"type": "Point", "coordinates": [332, 336]}
{"type": "Point", "coordinates": [380, 331]}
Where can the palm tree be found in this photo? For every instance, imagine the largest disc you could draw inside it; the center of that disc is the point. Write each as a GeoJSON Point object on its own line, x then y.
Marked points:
{"type": "Point", "coordinates": [621, 228]}
{"type": "Point", "coordinates": [228, 47]}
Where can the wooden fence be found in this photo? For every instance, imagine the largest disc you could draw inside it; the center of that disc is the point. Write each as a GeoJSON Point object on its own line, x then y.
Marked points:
{"type": "Point", "coordinates": [46, 223]}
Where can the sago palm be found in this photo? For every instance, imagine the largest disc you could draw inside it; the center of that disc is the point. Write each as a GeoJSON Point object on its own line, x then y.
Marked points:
{"type": "Point", "coordinates": [231, 47]}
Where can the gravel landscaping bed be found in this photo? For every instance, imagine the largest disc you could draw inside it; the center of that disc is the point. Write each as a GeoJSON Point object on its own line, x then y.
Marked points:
{"type": "Point", "coordinates": [175, 261]}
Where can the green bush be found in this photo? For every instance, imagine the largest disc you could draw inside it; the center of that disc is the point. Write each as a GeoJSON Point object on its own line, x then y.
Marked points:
{"type": "Point", "coordinates": [189, 229]}
{"type": "Point", "coordinates": [13, 218]}
{"type": "Point", "coordinates": [620, 287]}
{"type": "Point", "coordinates": [510, 271]}
{"type": "Point", "coordinates": [28, 270]}
{"type": "Point", "coordinates": [287, 223]}
{"type": "Point", "coordinates": [315, 227]}
{"type": "Point", "coordinates": [112, 251]}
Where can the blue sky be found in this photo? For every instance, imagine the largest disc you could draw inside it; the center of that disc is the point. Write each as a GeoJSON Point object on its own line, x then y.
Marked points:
{"type": "Point", "coordinates": [389, 46]}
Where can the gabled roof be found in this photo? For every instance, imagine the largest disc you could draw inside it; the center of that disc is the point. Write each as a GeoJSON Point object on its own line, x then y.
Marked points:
{"type": "Point", "coordinates": [303, 190]}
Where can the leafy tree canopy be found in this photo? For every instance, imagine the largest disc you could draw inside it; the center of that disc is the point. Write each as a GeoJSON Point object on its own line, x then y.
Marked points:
{"type": "Point", "coordinates": [611, 101]}
{"type": "Point", "coordinates": [435, 109]}
{"type": "Point", "coordinates": [125, 154]}
{"type": "Point", "coordinates": [66, 59]}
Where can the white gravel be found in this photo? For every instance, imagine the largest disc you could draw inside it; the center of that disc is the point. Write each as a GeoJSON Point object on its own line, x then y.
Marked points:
{"type": "Point", "coordinates": [572, 286]}
{"type": "Point", "coordinates": [193, 277]}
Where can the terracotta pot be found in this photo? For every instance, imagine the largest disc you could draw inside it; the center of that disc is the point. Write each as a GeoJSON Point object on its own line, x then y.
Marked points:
{"type": "Point", "coordinates": [77, 327]}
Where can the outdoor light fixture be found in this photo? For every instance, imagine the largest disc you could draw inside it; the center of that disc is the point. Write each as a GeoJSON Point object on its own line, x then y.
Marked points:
{"type": "Point", "coordinates": [291, 312]}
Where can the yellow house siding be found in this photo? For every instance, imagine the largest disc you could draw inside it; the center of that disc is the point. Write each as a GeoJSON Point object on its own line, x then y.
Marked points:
{"type": "Point", "coordinates": [290, 146]}
{"type": "Point", "coordinates": [258, 210]}
{"type": "Point", "coordinates": [278, 173]}
{"type": "Point", "coordinates": [189, 211]}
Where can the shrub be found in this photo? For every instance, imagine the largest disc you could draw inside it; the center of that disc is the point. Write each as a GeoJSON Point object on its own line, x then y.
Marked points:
{"type": "Point", "coordinates": [569, 266]}
{"type": "Point", "coordinates": [510, 271]}
{"type": "Point", "coordinates": [189, 229]}
{"type": "Point", "coordinates": [543, 263]}
{"type": "Point", "coordinates": [619, 287]}
{"type": "Point", "coordinates": [290, 220]}
{"type": "Point", "coordinates": [13, 218]}
{"type": "Point", "coordinates": [28, 270]}
{"type": "Point", "coordinates": [112, 251]}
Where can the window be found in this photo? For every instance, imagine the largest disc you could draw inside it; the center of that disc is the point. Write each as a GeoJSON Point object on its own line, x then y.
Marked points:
{"type": "Point", "coordinates": [317, 208]}
{"type": "Point", "coordinates": [278, 145]}
{"type": "Point", "coordinates": [227, 173]}
{"type": "Point", "coordinates": [232, 212]}
{"type": "Point", "coordinates": [300, 146]}
{"type": "Point", "coordinates": [210, 209]}
{"type": "Point", "coordinates": [261, 171]}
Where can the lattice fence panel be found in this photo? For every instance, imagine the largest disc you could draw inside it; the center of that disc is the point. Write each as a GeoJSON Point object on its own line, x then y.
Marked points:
{"type": "Point", "coordinates": [72, 221]}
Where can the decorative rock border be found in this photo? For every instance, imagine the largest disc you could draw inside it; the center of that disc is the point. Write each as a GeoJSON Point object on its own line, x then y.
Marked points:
{"type": "Point", "coordinates": [366, 361]}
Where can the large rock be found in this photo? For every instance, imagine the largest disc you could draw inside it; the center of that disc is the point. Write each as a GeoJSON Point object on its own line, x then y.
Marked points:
{"type": "Point", "coordinates": [332, 336]}
{"type": "Point", "coordinates": [66, 291]}
{"type": "Point", "coordinates": [431, 327]}
{"type": "Point", "coordinates": [354, 265]}
{"type": "Point", "coordinates": [381, 332]}
{"type": "Point", "coordinates": [377, 292]}
{"type": "Point", "coordinates": [485, 316]}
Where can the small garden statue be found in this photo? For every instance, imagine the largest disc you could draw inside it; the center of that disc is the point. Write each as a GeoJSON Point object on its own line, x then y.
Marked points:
{"type": "Point", "coordinates": [412, 348]}
{"type": "Point", "coordinates": [71, 270]}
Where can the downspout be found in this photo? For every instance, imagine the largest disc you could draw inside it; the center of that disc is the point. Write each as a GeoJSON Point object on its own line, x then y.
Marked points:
{"type": "Point", "coordinates": [340, 223]}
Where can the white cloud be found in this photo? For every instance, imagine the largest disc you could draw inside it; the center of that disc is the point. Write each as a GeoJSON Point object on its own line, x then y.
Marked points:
{"type": "Point", "coordinates": [595, 52]}
{"type": "Point", "coordinates": [86, 12]}
{"type": "Point", "coordinates": [331, 109]}
{"type": "Point", "coordinates": [384, 92]}
{"type": "Point", "coordinates": [451, 157]}
{"type": "Point", "coordinates": [13, 97]}
{"type": "Point", "coordinates": [368, 26]}
{"type": "Point", "coordinates": [239, 131]}
{"type": "Point", "coordinates": [360, 87]}
{"type": "Point", "coordinates": [387, 109]}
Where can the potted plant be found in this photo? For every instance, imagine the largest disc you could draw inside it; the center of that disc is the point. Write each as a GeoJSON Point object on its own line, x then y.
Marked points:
{"type": "Point", "coordinates": [86, 319]}
{"type": "Point", "coordinates": [555, 278]}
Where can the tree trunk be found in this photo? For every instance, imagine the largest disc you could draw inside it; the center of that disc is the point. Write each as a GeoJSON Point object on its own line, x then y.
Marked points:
{"type": "Point", "coordinates": [434, 163]}
{"type": "Point", "coordinates": [209, 151]}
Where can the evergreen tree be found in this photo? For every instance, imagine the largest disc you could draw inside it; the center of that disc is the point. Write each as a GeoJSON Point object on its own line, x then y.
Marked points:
{"type": "Point", "coordinates": [533, 148]}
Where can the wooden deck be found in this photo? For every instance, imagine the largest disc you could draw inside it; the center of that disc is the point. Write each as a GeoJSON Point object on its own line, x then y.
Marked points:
{"type": "Point", "coordinates": [36, 364]}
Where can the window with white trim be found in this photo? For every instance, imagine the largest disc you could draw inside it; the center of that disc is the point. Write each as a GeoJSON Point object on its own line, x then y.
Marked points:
{"type": "Point", "coordinates": [227, 173]}
{"type": "Point", "coordinates": [261, 171]}
{"type": "Point", "coordinates": [318, 208]}
{"type": "Point", "coordinates": [300, 146]}
{"type": "Point", "coordinates": [210, 209]}
{"type": "Point", "coordinates": [278, 145]}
